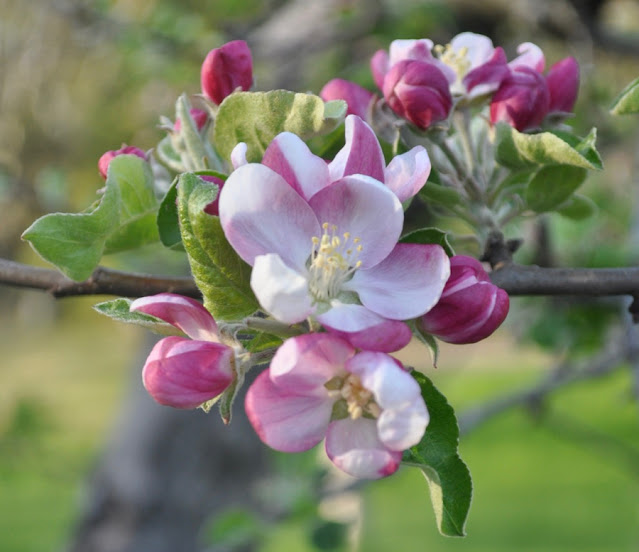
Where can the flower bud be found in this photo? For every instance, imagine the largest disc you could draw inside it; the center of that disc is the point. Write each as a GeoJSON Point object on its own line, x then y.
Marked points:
{"type": "Point", "coordinates": [522, 99]}
{"type": "Point", "coordinates": [226, 69]}
{"type": "Point", "coordinates": [563, 83]}
{"type": "Point", "coordinates": [419, 92]}
{"type": "Point", "coordinates": [358, 99]}
{"type": "Point", "coordinates": [470, 308]}
{"type": "Point", "coordinates": [199, 117]}
{"type": "Point", "coordinates": [105, 159]}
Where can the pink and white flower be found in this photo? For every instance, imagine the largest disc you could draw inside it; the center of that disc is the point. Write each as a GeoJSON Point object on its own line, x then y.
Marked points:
{"type": "Point", "coordinates": [322, 238]}
{"type": "Point", "coordinates": [366, 405]}
{"type": "Point", "coordinates": [181, 372]}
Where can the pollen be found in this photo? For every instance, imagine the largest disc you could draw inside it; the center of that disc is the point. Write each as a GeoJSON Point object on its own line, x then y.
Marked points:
{"type": "Point", "coordinates": [456, 60]}
{"type": "Point", "coordinates": [333, 261]}
{"type": "Point", "coordinates": [359, 400]}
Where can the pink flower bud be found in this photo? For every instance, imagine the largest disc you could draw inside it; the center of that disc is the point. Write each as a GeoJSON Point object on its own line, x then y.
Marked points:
{"type": "Point", "coordinates": [213, 207]}
{"type": "Point", "coordinates": [470, 308]}
{"type": "Point", "coordinates": [357, 98]}
{"type": "Point", "coordinates": [488, 76]}
{"type": "Point", "coordinates": [199, 117]}
{"type": "Point", "coordinates": [522, 100]}
{"type": "Point", "coordinates": [226, 69]}
{"type": "Point", "coordinates": [418, 91]}
{"type": "Point", "coordinates": [103, 162]}
{"type": "Point", "coordinates": [563, 84]}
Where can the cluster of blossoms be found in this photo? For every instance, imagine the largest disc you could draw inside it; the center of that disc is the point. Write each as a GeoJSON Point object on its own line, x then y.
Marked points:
{"type": "Point", "coordinates": [423, 83]}
{"type": "Point", "coordinates": [323, 240]}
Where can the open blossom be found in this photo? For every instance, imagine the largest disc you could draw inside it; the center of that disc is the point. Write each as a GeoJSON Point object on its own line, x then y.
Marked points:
{"type": "Point", "coordinates": [181, 372]}
{"type": "Point", "coordinates": [322, 238]}
{"type": "Point", "coordinates": [105, 159]}
{"type": "Point", "coordinates": [365, 404]}
{"type": "Point", "coordinates": [470, 308]}
{"type": "Point", "coordinates": [226, 69]}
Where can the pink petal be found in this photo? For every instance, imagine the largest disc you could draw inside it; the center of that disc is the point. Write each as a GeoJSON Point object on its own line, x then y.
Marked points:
{"type": "Point", "coordinates": [357, 98]}
{"type": "Point", "coordinates": [284, 419]}
{"type": "Point", "coordinates": [386, 336]}
{"type": "Point", "coordinates": [419, 49]}
{"type": "Point", "coordinates": [366, 209]}
{"type": "Point", "coordinates": [290, 157]}
{"type": "Point", "coordinates": [407, 173]}
{"type": "Point", "coordinates": [361, 154]}
{"type": "Point", "coordinates": [349, 317]}
{"type": "Point", "coordinates": [260, 213]}
{"type": "Point", "coordinates": [530, 56]}
{"type": "Point", "coordinates": [282, 291]}
{"type": "Point", "coordinates": [184, 373]}
{"type": "Point", "coordinates": [406, 284]}
{"type": "Point", "coordinates": [488, 76]}
{"type": "Point", "coordinates": [354, 447]}
{"type": "Point", "coordinates": [404, 416]}
{"type": "Point", "coordinates": [182, 312]}
{"type": "Point", "coordinates": [305, 363]}
{"type": "Point", "coordinates": [379, 67]}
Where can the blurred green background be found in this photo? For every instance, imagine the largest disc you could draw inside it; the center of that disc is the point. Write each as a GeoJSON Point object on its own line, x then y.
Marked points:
{"type": "Point", "coordinates": [78, 78]}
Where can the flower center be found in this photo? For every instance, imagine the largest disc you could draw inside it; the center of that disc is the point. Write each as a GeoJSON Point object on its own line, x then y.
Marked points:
{"type": "Point", "coordinates": [333, 262]}
{"type": "Point", "coordinates": [349, 391]}
{"type": "Point", "coordinates": [456, 60]}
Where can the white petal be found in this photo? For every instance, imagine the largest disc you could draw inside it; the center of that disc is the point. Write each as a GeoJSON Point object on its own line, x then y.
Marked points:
{"type": "Point", "coordinates": [354, 447]}
{"type": "Point", "coordinates": [260, 213]}
{"type": "Point", "coordinates": [281, 290]}
{"type": "Point", "coordinates": [238, 155]}
{"type": "Point", "coordinates": [479, 47]}
{"type": "Point", "coordinates": [406, 174]}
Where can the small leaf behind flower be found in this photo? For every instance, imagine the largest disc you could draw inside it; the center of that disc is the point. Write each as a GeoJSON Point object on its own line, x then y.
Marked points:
{"type": "Point", "coordinates": [119, 309]}
{"type": "Point", "coordinates": [429, 236]}
{"type": "Point", "coordinates": [628, 101]}
{"type": "Point", "coordinates": [257, 117]}
{"type": "Point", "coordinates": [436, 455]}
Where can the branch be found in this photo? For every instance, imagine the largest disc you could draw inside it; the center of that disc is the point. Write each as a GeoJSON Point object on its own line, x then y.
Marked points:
{"type": "Point", "coordinates": [103, 281]}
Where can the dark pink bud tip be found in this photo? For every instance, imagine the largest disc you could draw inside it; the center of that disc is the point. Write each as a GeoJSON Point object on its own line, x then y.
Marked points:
{"type": "Point", "coordinates": [357, 98]}
{"type": "Point", "coordinates": [419, 92]}
{"type": "Point", "coordinates": [105, 159]}
{"type": "Point", "coordinates": [226, 69]}
{"type": "Point", "coordinates": [470, 308]}
{"type": "Point", "coordinates": [563, 84]}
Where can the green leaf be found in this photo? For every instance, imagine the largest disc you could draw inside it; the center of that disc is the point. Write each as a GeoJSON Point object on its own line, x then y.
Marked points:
{"type": "Point", "coordinates": [124, 218]}
{"type": "Point", "coordinates": [119, 309]}
{"type": "Point", "coordinates": [578, 207]}
{"type": "Point", "coordinates": [167, 219]}
{"type": "Point", "coordinates": [428, 340]}
{"type": "Point", "coordinates": [552, 186]}
{"type": "Point", "coordinates": [517, 150]}
{"type": "Point", "coordinates": [257, 117]}
{"type": "Point", "coordinates": [585, 146]}
{"type": "Point", "coordinates": [429, 236]}
{"type": "Point", "coordinates": [436, 455]}
{"type": "Point", "coordinates": [261, 342]}
{"type": "Point", "coordinates": [628, 101]}
{"type": "Point", "coordinates": [436, 193]}
{"type": "Point", "coordinates": [220, 274]}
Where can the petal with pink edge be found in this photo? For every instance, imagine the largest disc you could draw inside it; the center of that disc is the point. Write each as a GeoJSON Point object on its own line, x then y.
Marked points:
{"type": "Point", "coordinates": [402, 49]}
{"type": "Point", "coordinates": [406, 174]}
{"type": "Point", "coordinates": [386, 337]}
{"type": "Point", "coordinates": [406, 284]}
{"type": "Point", "coordinates": [366, 209]}
{"type": "Point", "coordinates": [183, 373]}
{"type": "Point", "coordinates": [285, 419]}
{"type": "Point", "coordinates": [260, 213]}
{"type": "Point", "coordinates": [182, 312]}
{"type": "Point", "coordinates": [354, 447]}
{"type": "Point", "coordinates": [280, 290]}
{"type": "Point", "coordinates": [305, 363]}
{"type": "Point", "coordinates": [348, 317]}
{"type": "Point", "coordinates": [290, 157]}
{"type": "Point", "coordinates": [478, 47]}
{"type": "Point", "coordinates": [361, 154]}
{"type": "Point", "coordinates": [379, 67]}
{"type": "Point", "coordinates": [530, 55]}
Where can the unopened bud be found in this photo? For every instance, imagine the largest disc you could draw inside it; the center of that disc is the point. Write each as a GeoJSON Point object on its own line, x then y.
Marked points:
{"type": "Point", "coordinates": [563, 84]}
{"type": "Point", "coordinates": [357, 99]}
{"type": "Point", "coordinates": [105, 159]}
{"type": "Point", "coordinates": [226, 69]}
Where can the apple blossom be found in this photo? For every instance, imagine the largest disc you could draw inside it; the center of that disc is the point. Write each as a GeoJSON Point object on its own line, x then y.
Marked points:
{"type": "Point", "coordinates": [470, 308]}
{"type": "Point", "coordinates": [105, 159]}
{"type": "Point", "coordinates": [365, 404]}
{"type": "Point", "coordinates": [322, 238]}
{"type": "Point", "coordinates": [226, 69]}
{"type": "Point", "coordinates": [181, 372]}
{"type": "Point", "coordinates": [357, 99]}
{"type": "Point", "coordinates": [563, 84]}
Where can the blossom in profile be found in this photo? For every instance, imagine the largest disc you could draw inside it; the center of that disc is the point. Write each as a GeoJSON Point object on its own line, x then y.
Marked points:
{"type": "Point", "coordinates": [227, 69]}
{"type": "Point", "coordinates": [185, 372]}
{"type": "Point", "coordinates": [471, 307]}
{"type": "Point", "coordinates": [105, 159]}
{"type": "Point", "coordinates": [365, 404]}
{"type": "Point", "coordinates": [323, 238]}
